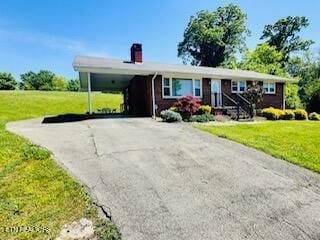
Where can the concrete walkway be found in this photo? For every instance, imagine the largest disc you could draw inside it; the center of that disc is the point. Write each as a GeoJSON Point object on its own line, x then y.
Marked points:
{"type": "Point", "coordinates": [169, 181]}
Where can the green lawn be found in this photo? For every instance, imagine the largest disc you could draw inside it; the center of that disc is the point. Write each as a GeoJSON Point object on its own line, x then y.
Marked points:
{"type": "Point", "coordinates": [35, 191]}
{"type": "Point", "coordinates": [295, 141]}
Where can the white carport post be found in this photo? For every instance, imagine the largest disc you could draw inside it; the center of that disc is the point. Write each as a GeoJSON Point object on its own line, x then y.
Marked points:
{"type": "Point", "coordinates": [153, 96]}
{"type": "Point", "coordinates": [89, 94]}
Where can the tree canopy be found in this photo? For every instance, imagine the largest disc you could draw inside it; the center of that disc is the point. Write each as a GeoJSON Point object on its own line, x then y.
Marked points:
{"type": "Point", "coordinates": [211, 38]}
{"type": "Point", "coordinates": [37, 81]}
{"type": "Point", "coordinates": [59, 83]}
{"type": "Point", "coordinates": [43, 80]}
{"type": "Point", "coordinates": [263, 59]}
{"type": "Point", "coordinates": [7, 81]}
{"type": "Point", "coordinates": [74, 85]}
{"type": "Point", "coordinates": [307, 69]}
{"type": "Point", "coordinates": [284, 35]}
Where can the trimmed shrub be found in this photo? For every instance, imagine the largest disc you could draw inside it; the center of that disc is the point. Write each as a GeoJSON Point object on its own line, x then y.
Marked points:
{"type": "Point", "coordinates": [205, 109]}
{"type": "Point", "coordinates": [272, 113]}
{"type": "Point", "coordinates": [170, 116]}
{"type": "Point", "coordinates": [187, 105]}
{"type": "Point", "coordinates": [287, 115]}
{"type": "Point", "coordinates": [300, 114]}
{"type": "Point", "coordinates": [314, 116]}
{"type": "Point", "coordinates": [200, 118]}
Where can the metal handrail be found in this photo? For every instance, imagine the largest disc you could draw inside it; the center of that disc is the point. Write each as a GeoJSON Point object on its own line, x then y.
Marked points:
{"type": "Point", "coordinates": [241, 103]}
{"type": "Point", "coordinates": [247, 108]}
{"type": "Point", "coordinates": [244, 99]}
{"type": "Point", "coordinates": [230, 98]}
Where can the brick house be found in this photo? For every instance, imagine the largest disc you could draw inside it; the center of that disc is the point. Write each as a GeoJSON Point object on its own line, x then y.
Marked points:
{"type": "Point", "coordinates": [149, 87]}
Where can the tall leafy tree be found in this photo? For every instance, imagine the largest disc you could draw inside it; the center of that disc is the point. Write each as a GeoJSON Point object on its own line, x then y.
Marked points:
{"type": "Point", "coordinates": [292, 96]}
{"type": "Point", "coordinates": [307, 69]}
{"type": "Point", "coordinates": [43, 80]}
{"type": "Point", "coordinates": [314, 101]}
{"type": "Point", "coordinates": [59, 83]}
{"type": "Point", "coordinates": [263, 59]}
{"type": "Point", "coordinates": [28, 81]}
{"type": "Point", "coordinates": [74, 85]}
{"type": "Point", "coordinates": [266, 59]}
{"type": "Point", "coordinates": [212, 38]}
{"type": "Point", "coordinates": [284, 35]}
{"type": "Point", "coordinates": [7, 81]}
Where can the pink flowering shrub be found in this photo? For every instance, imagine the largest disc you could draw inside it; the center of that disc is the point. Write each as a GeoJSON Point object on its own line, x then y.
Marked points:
{"type": "Point", "coordinates": [220, 118]}
{"type": "Point", "coordinates": [187, 105]}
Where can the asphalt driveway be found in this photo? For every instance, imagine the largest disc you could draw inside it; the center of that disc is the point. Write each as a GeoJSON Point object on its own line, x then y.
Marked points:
{"type": "Point", "coordinates": [169, 181]}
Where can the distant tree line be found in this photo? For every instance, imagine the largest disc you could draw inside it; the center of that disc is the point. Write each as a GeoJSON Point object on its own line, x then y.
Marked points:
{"type": "Point", "coordinates": [42, 80]}
{"type": "Point", "coordinates": [213, 38]}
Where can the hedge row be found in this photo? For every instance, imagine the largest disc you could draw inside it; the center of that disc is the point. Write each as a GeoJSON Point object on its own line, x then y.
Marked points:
{"type": "Point", "coordinates": [278, 114]}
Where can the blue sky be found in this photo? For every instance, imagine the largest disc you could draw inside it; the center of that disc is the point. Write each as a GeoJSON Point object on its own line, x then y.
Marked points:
{"type": "Point", "coordinates": [37, 34]}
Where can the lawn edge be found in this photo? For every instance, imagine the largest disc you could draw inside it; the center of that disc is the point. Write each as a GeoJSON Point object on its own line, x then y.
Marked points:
{"type": "Point", "coordinates": [199, 127]}
{"type": "Point", "coordinates": [102, 212]}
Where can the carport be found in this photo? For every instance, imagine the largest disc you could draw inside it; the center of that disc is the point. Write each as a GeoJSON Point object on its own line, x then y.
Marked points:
{"type": "Point", "coordinates": [108, 75]}
{"type": "Point", "coordinates": [133, 87]}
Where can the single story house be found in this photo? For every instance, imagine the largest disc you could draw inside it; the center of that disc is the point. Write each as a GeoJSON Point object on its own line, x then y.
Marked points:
{"type": "Point", "coordinates": [150, 87]}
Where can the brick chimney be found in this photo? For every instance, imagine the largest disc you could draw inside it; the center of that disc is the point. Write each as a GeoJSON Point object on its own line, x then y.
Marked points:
{"type": "Point", "coordinates": [136, 53]}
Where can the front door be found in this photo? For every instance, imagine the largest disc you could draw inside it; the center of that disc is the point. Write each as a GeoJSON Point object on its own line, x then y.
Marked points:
{"type": "Point", "coordinates": [216, 98]}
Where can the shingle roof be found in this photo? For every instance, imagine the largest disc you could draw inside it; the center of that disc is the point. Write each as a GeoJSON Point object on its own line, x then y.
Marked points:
{"type": "Point", "coordinates": [105, 65]}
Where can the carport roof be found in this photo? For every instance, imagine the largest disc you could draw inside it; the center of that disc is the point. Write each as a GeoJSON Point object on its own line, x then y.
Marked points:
{"type": "Point", "coordinates": [114, 66]}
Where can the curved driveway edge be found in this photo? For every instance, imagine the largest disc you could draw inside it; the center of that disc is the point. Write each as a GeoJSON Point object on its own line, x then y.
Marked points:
{"type": "Point", "coordinates": [170, 181]}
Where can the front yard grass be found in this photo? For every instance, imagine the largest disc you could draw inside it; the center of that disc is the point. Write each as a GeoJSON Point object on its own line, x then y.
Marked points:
{"type": "Point", "coordinates": [34, 190]}
{"type": "Point", "coordinates": [297, 142]}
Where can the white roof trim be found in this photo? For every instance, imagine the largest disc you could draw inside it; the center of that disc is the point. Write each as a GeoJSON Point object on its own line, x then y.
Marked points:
{"type": "Point", "coordinates": [111, 66]}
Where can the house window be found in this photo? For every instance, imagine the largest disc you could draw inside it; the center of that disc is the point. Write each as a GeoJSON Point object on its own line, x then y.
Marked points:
{"type": "Point", "coordinates": [166, 87]}
{"type": "Point", "coordinates": [269, 88]}
{"type": "Point", "coordinates": [178, 87]}
{"type": "Point", "coordinates": [181, 87]}
{"type": "Point", "coordinates": [238, 86]}
{"type": "Point", "coordinates": [197, 88]}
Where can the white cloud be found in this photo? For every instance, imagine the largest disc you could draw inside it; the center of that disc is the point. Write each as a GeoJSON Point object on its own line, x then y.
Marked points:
{"type": "Point", "coordinates": [53, 42]}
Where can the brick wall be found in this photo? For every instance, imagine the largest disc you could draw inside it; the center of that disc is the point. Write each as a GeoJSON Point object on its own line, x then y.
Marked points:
{"type": "Point", "coordinates": [269, 100]}
{"type": "Point", "coordinates": [273, 100]}
{"type": "Point", "coordinates": [161, 102]}
{"type": "Point", "coordinates": [140, 95]}
{"type": "Point", "coordinates": [166, 103]}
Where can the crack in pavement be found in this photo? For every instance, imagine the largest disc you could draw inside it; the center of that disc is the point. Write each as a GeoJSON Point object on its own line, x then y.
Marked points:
{"type": "Point", "coordinates": [299, 228]}
{"type": "Point", "coordinates": [93, 140]}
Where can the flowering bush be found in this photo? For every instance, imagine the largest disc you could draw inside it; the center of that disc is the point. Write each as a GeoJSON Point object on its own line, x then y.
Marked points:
{"type": "Point", "coordinates": [205, 109]}
{"type": "Point", "coordinates": [287, 115]}
{"type": "Point", "coordinates": [314, 116]}
{"type": "Point", "coordinates": [300, 114]}
{"type": "Point", "coordinates": [221, 118]}
{"type": "Point", "coordinates": [173, 109]}
{"type": "Point", "coordinates": [187, 105]}
{"type": "Point", "coordinates": [272, 113]}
